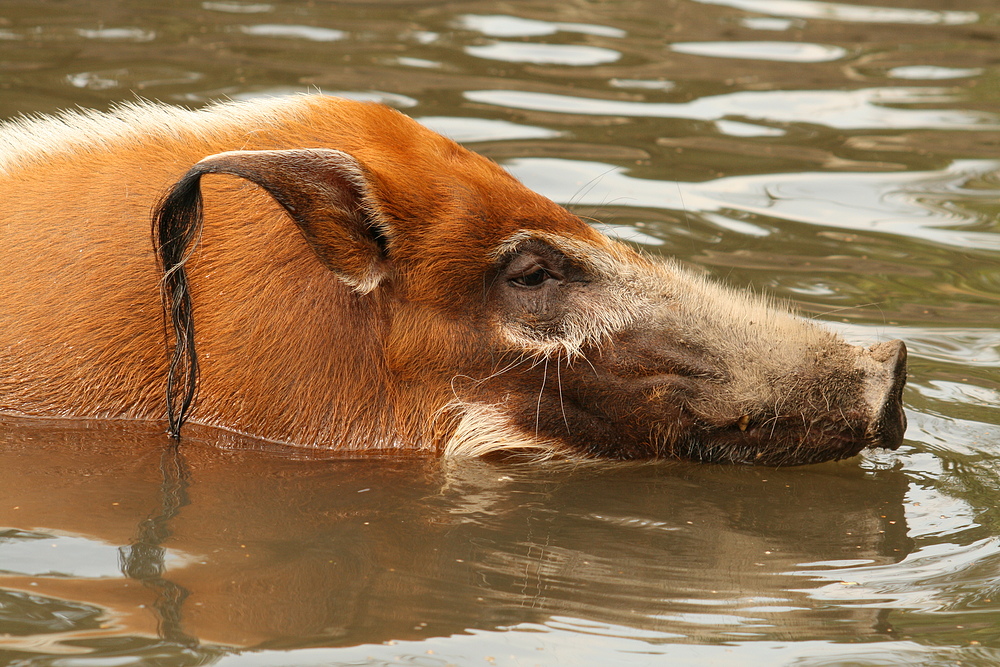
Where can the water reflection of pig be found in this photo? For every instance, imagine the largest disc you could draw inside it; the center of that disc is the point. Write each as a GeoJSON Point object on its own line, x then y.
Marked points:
{"type": "Point", "coordinates": [355, 281]}
{"type": "Point", "coordinates": [262, 549]}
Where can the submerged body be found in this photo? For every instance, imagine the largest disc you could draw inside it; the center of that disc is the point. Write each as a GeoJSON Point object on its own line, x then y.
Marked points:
{"type": "Point", "coordinates": [339, 276]}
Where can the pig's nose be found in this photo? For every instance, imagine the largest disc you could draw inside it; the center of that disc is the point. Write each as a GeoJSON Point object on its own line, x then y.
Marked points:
{"type": "Point", "coordinates": [889, 422]}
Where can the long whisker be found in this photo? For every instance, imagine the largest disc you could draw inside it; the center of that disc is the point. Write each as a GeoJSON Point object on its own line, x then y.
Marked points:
{"type": "Point", "coordinates": [587, 187]}
{"type": "Point", "coordinates": [840, 310]}
{"type": "Point", "coordinates": [538, 406]}
{"type": "Point", "coordinates": [506, 369]}
{"type": "Point", "coordinates": [562, 406]}
{"type": "Point", "coordinates": [581, 355]}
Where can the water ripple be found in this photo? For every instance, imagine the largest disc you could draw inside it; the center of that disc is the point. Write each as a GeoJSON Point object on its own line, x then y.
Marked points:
{"type": "Point", "coordinates": [925, 580]}
{"type": "Point", "coordinates": [841, 109]}
{"type": "Point", "coordinates": [792, 52]}
{"type": "Point", "coordinates": [238, 7]}
{"type": "Point", "coordinates": [833, 11]}
{"type": "Point", "coordinates": [39, 554]}
{"type": "Point", "coordinates": [501, 25]}
{"type": "Point", "coordinates": [901, 203]}
{"type": "Point", "coordinates": [482, 129]}
{"type": "Point", "coordinates": [933, 72]}
{"type": "Point", "coordinates": [118, 34]}
{"type": "Point", "coordinates": [306, 32]}
{"type": "Point", "coordinates": [544, 54]}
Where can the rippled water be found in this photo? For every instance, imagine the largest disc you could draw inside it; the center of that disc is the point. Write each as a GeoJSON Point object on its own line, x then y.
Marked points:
{"type": "Point", "coordinates": [842, 156]}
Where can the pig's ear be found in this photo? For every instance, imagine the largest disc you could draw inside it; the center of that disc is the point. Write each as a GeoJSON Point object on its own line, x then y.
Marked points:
{"type": "Point", "coordinates": [325, 191]}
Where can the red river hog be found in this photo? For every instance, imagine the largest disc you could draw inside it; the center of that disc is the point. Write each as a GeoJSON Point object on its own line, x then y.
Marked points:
{"type": "Point", "coordinates": [331, 274]}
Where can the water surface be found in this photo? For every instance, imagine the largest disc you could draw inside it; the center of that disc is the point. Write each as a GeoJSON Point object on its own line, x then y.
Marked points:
{"type": "Point", "coordinates": [842, 156]}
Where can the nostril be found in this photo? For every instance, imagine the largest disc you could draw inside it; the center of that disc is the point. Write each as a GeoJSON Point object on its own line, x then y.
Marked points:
{"type": "Point", "coordinates": [889, 421]}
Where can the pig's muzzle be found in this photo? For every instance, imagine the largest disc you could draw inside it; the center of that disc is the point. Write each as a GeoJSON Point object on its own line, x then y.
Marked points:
{"type": "Point", "coordinates": [885, 393]}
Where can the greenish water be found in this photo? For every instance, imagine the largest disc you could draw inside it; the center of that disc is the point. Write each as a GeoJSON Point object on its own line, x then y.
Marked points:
{"type": "Point", "coordinates": [841, 156]}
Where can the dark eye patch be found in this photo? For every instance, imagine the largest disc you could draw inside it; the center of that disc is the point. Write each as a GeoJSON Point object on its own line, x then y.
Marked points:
{"type": "Point", "coordinates": [531, 267]}
{"type": "Point", "coordinates": [535, 267]}
{"type": "Point", "coordinates": [532, 279]}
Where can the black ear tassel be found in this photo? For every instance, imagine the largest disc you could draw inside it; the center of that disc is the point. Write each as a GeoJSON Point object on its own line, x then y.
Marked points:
{"type": "Point", "coordinates": [177, 222]}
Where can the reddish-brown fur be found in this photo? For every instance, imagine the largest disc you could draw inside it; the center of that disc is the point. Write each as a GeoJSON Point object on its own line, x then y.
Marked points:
{"type": "Point", "coordinates": [83, 325]}
{"type": "Point", "coordinates": [359, 282]}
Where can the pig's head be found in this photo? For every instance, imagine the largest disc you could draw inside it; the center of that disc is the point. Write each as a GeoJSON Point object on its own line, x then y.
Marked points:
{"type": "Point", "coordinates": [524, 331]}
{"type": "Point", "coordinates": [611, 354]}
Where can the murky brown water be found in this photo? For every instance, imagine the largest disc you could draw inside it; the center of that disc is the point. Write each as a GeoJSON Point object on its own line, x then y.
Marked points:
{"type": "Point", "coordinates": [844, 156]}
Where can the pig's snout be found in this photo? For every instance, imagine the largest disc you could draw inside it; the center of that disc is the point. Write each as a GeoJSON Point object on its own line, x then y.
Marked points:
{"type": "Point", "coordinates": [885, 394]}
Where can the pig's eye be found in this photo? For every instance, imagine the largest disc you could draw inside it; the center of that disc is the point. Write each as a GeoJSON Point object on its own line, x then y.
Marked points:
{"type": "Point", "coordinates": [532, 270]}
{"type": "Point", "coordinates": [532, 278]}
